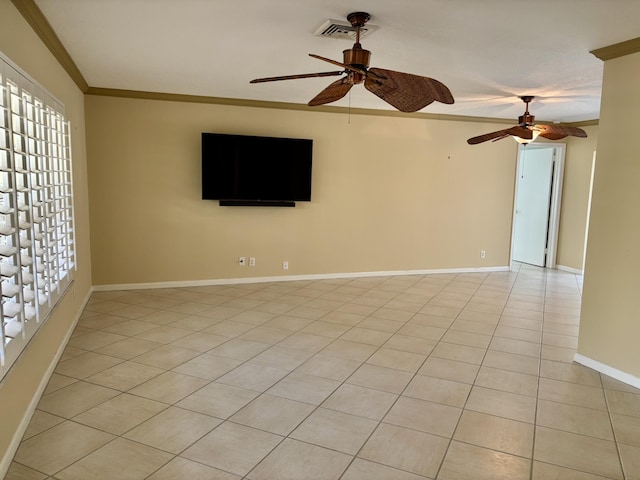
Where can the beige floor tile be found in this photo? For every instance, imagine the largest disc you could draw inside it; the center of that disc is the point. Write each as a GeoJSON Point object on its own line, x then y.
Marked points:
{"type": "Point", "coordinates": [169, 387]}
{"type": "Point", "coordinates": [367, 336]}
{"type": "Point", "coordinates": [218, 400]}
{"type": "Point", "coordinates": [252, 376]}
{"type": "Point", "coordinates": [349, 350]}
{"type": "Point", "coordinates": [273, 414]}
{"type": "Point", "coordinates": [630, 456]}
{"type": "Point", "coordinates": [571, 418]}
{"type": "Point", "coordinates": [20, 472]}
{"type": "Point", "coordinates": [130, 327]}
{"type": "Point", "coordinates": [406, 449]}
{"type": "Point", "coordinates": [511, 362]}
{"type": "Point", "coordinates": [431, 321]}
{"type": "Point", "coordinates": [502, 404]}
{"type": "Point", "coordinates": [627, 429]}
{"type": "Point", "coordinates": [304, 388]}
{"type": "Point", "coordinates": [613, 384]}
{"type": "Point", "coordinates": [207, 366]}
{"type": "Point", "coordinates": [326, 366]}
{"type": "Point", "coordinates": [507, 381]}
{"type": "Point", "coordinates": [125, 375]}
{"type": "Point", "coordinates": [293, 460]}
{"type": "Point", "coordinates": [365, 470]}
{"type": "Point", "coordinates": [173, 429]}
{"type": "Point", "coordinates": [264, 334]}
{"type": "Point", "coordinates": [282, 357]}
{"type": "Point", "coordinates": [481, 328]}
{"type": "Point", "coordinates": [59, 447]}
{"type": "Point", "coordinates": [252, 317]}
{"type": "Point", "coordinates": [163, 317]}
{"type": "Point", "coordinates": [545, 471]}
{"type": "Point", "coordinates": [120, 414]}
{"type": "Point", "coordinates": [572, 393]}
{"type": "Point", "coordinates": [200, 341]}
{"type": "Point", "coordinates": [578, 452]}
{"type": "Point", "coordinates": [85, 365]}
{"type": "Point", "coordinates": [495, 433]}
{"type": "Point", "coordinates": [335, 430]}
{"type": "Point", "coordinates": [360, 401]}
{"type": "Point", "coordinates": [449, 370]}
{"type": "Point", "coordinates": [422, 415]}
{"type": "Point", "coordinates": [164, 334]}
{"type": "Point", "coordinates": [57, 381]}
{"type": "Point", "coordinates": [515, 346]}
{"type": "Point", "coordinates": [380, 378]}
{"type": "Point", "coordinates": [624, 403]}
{"type": "Point", "coordinates": [95, 340]}
{"type": "Point", "coordinates": [325, 329]}
{"type": "Point", "coordinates": [384, 325]}
{"type": "Point", "coordinates": [233, 448]}
{"type": "Point", "coordinates": [558, 354]}
{"type": "Point", "coordinates": [229, 328]}
{"type": "Point", "coordinates": [460, 353]}
{"type": "Point", "coordinates": [388, 357]}
{"type": "Point", "coordinates": [121, 459]}
{"type": "Point", "coordinates": [181, 468]}
{"type": "Point", "coordinates": [41, 421]}
{"type": "Point", "coordinates": [344, 317]}
{"type": "Point", "coordinates": [404, 343]}
{"type": "Point", "coordinates": [438, 390]}
{"type": "Point", "coordinates": [515, 333]}
{"type": "Point", "coordinates": [195, 323]}
{"type": "Point", "coordinates": [128, 348]}
{"type": "Point", "coordinates": [469, 339]}
{"type": "Point", "coordinates": [468, 462]}
{"type": "Point", "coordinates": [288, 322]}
{"type": "Point", "coordinates": [239, 349]}
{"type": "Point", "coordinates": [75, 399]}
{"type": "Point", "coordinates": [422, 331]}
{"type": "Point", "coordinates": [166, 357]}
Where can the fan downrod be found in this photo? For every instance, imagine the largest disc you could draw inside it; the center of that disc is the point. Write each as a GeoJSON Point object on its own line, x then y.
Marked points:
{"type": "Point", "coordinates": [527, 119]}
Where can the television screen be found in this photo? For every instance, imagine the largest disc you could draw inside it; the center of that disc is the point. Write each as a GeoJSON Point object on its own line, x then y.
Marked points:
{"type": "Point", "coordinates": [251, 169]}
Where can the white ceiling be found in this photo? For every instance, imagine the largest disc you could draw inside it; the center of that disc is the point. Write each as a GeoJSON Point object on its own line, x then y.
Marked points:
{"type": "Point", "coordinates": [488, 52]}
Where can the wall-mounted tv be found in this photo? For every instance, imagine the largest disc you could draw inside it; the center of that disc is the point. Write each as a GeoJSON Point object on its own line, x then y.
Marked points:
{"type": "Point", "coordinates": [245, 170]}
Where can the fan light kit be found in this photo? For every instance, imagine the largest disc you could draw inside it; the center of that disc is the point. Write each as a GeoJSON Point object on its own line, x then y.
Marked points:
{"type": "Point", "coordinates": [526, 131]}
{"type": "Point", "coordinates": [403, 91]}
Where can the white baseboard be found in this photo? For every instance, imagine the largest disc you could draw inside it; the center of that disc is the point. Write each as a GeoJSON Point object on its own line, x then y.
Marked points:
{"type": "Point", "coordinates": [577, 271]}
{"type": "Point", "coordinates": [289, 278]}
{"type": "Point", "coordinates": [607, 370]}
{"type": "Point", "coordinates": [5, 461]}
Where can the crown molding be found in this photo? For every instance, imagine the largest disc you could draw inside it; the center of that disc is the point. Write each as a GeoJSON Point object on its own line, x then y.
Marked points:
{"type": "Point", "coordinates": [617, 50]}
{"type": "Point", "coordinates": [41, 26]}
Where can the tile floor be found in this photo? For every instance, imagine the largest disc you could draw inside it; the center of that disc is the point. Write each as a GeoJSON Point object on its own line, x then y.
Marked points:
{"type": "Point", "coordinates": [447, 377]}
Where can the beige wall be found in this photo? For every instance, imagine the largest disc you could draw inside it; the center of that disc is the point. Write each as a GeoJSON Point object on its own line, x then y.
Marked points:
{"type": "Point", "coordinates": [389, 194]}
{"type": "Point", "coordinates": [22, 46]}
{"type": "Point", "coordinates": [610, 326]}
{"type": "Point", "coordinates": [575, 198]}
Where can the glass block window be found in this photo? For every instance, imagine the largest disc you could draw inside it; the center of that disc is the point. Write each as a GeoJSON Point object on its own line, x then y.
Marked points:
{"type": "Point", "coordinates": [37, 254]}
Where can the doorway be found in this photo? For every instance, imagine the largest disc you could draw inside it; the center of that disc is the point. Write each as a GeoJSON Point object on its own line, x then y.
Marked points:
{"type": "Point", "coordinates": [536, 213]}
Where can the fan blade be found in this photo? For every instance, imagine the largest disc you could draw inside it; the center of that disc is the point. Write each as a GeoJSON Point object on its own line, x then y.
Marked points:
{"type": "Point", "coordinates": [499, 135]}
{"type": "Point", "coordinates": [333, 92]}
{"type": "Point", "coordinates": [293, 77]}
{"type": "Point", "coordinates": [556, 132]}
{"type": "Point", "coordinates": [339, 64]}
{"type": "Point", "coordinates": [404, 91]}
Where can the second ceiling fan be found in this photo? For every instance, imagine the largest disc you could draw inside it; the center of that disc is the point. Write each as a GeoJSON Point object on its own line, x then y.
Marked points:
{"type": "Point", "coordinates": [527, 131]}
{"type": "Point", "coordinates": [404, 91]}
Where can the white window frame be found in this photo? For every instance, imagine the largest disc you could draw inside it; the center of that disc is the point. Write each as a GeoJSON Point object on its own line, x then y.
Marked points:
{"type": "Point", "coordinates": [37, 237]}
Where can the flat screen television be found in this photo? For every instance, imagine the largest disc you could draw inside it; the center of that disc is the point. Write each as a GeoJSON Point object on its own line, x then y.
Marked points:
{"type": "Point", "coordinates": [245, 170]}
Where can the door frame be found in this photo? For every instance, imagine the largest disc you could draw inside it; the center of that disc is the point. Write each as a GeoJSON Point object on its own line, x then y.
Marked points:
{"type": "Point", "coordinates": [555, 203]}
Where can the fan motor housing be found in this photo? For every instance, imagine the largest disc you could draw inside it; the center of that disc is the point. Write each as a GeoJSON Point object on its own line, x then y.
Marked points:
{"type": "Point", "coordinates": [356, 57]}
{"type": "Point", "coordinates": [526, 119]}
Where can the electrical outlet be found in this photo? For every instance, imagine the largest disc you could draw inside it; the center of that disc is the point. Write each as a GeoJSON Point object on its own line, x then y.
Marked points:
{"type": "Point", "coordinates": [242, 261]}
{"type": "Point", "coordinates": [252, 261]}
{"type": "Point", "coordinates": [483, 254]}
{"type": "Point", "coordinates": [285, 265]}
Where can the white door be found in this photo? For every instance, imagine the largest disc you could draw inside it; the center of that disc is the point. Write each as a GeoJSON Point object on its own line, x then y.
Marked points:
{"type": "Point", "coordinates": [533, 198]}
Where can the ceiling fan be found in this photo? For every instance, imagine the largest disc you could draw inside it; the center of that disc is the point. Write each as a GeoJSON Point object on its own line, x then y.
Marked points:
{"type": "Point", "coordinates": [403, 91]}
{"type": "Point", "coordinates": [526, 131]}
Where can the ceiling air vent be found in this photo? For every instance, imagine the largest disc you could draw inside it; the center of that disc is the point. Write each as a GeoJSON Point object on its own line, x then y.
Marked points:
{"type": "Point", "coordinates": [343, 30]}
